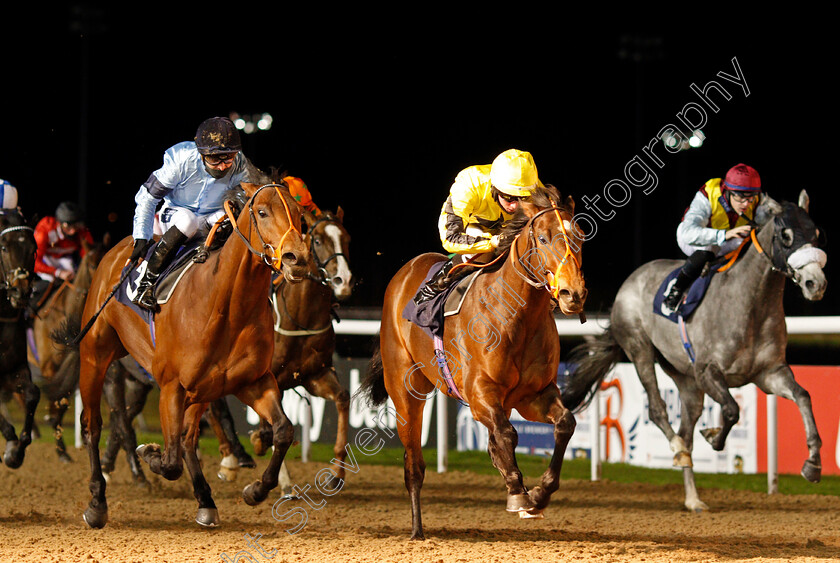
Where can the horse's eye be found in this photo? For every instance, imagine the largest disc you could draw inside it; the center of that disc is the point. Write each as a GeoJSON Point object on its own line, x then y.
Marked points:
{"type": "Point", "coordinates": [262, 213]}
{"type": "Point", "coordinates": [787, 237]}
{"type": "Point", "coordinates": [317, 241]}
{"type": "Point", "coordinates": [542, 239]}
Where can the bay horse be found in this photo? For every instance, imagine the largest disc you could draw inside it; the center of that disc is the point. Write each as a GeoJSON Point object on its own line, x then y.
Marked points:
{"type": "Point", "coordinates": [59, 364]}
{"type": "Point", "coordinates": [737, 332]}
{"type": "Point", "coordinates": [212, 338]}
{"type": "Point", "coordinates": [506, 339]}
{"type": "Point", "coordinates": [304, 338]}
{"type": "Point", "coordinates": [17, 266]}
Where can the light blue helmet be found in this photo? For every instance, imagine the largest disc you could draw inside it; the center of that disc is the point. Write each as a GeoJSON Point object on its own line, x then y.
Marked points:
{"type": "Point", "coordinates": [8, 195]}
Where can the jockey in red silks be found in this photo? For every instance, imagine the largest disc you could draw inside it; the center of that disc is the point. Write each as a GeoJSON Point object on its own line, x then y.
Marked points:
{"type": "Point", "coordinates": [61, 241]}
{"type": "Point", "coordinates": [719, 217]}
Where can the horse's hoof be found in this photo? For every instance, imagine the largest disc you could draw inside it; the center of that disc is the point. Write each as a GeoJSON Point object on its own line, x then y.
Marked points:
{"type": "Point", "coordinates": [246, 461]}
{"type": "Point", "coordinates": [260, 447]}
{"type": "Point", "coordinates": [811, 471]}
{"type": "Point", "coordinates": [95, 519]}
{"type": "Point", "coordinates": [533, 513]}
{"type": "Point", "coordinates": [207, 517]}
{"type": "Point", "coordinates": [252, 495]}
{"type": "Point", "coordinates": [107, 476]}
{"type": "Point", "coordinates": [227, 474]}
{"type": "Point", "coordinates": [709, 434]}
{"type": "Point", "coordinates": [418, 535]}
{"type": "Point", "coordinates": [13, 456]}
{"type": "Point", "coordinates": [147, 452]}
{"type": "Point", "coordinates": [697, 506]}
{"type": "Point", "coordinates": [290, 496]}
{"type": "Point", "coordinates": [64, 457]}
{"type": "Point", "coordinates": [515, 503]}
{"type": "Point", "coordinates": [683, 459]}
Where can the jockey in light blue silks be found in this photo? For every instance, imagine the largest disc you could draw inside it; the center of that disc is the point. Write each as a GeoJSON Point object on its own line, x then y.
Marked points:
{"type": "Point", "coordinates": [192, 182]}
{"type": "Point", "coordinates": [719, 217]}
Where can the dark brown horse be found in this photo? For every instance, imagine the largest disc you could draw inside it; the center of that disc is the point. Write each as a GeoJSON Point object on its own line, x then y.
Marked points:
{"type": "Point", "coordinates": [502, 349]}
{"type": "Point", "coordinates": [304, 339]}
{"type": "Point", "coordinates": [17, 264]}
{"type": "Point", "coordinates": [214, 337]}
{"type": "Point", "coordinates": [59, 364]}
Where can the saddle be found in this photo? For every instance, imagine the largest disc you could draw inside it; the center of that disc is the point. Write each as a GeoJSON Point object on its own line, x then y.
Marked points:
{"type": "Point", "coordinates": [692, 298]}
{"type": "Point", "coordinates": [430, 315]}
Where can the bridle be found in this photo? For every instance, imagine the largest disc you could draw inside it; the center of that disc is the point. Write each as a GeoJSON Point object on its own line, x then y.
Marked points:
{"type": "Point", "coordinates": [324, 277]}
{"type": "Point", "coordinates": [269, 254]}
{"type": "Point", "coordinates": [553, 287]}
{"type": "Point", "coordinates": [12, 276]}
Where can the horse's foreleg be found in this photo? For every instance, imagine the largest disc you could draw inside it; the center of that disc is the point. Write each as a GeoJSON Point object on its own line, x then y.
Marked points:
{"type": "Point", "coordinates": [712, 381]}
{"type": "Point", "coordinates": [233, 453]}
{"type": "Point", "coordinates": [328, 387]}
{"type": "Point", "coordinates": [264, 397]}
{"type": "Point", "coordinates": [691, 401]}
{"type": "Point", "coordinates": [207, 514]}
{"type": "Point", "coordinates": [57, 410]}
{"type": "Point", "coordinates": [547, 407]}
{"type": "Point", "coordinates": [16, 448]}
{"type": "Point", "coordinates": [782, 383]}
{"type": "Point", "coordinates": [502, 443]}
{"type": "Point", "coordinates": [167, 463]}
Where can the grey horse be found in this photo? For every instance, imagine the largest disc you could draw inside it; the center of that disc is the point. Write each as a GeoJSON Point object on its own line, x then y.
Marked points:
{"type": "Point", "coordinates": [737, 332]}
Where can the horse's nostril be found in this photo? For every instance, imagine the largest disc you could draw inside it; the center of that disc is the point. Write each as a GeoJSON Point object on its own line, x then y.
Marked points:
{"type": "Point", "coordinates": [290, 257]}
{"type": "Point", "coordinates": [337, 280]}
{"type": "Point", "coordinates": [810, 285]}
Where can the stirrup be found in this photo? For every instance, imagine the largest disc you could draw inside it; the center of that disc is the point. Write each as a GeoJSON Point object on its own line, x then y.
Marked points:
{"type": "Point", "coordinates": [673, 299]}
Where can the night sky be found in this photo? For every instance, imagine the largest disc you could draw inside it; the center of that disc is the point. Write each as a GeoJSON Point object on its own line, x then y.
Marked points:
{"type": "Point", "coordinates": [380, 118]}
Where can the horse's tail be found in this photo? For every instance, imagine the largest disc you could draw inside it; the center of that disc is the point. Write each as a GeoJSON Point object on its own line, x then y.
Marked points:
{"type": "Point", "coordinates": [592, 360]}
{"type": "Point", "coordinates": [374, 384]}
{"type": "Point", "coordinates": [67, 333]}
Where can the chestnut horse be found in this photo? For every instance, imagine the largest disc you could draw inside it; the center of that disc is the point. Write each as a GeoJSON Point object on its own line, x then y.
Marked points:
{"type": "Point", "coordinates": [213, 337]}
{"type": "Point", "coordinates": [58, 364]}
{"type": "Point", "coordinates": [17, 264]}
{"type": "Point", "coordinates": [304, 339]}
{"type": "Point", "coordinates": [508, 346]}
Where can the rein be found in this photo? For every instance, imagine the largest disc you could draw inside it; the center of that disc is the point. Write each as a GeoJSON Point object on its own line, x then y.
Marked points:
{"type": "Point", "coordinates": [788, 272]}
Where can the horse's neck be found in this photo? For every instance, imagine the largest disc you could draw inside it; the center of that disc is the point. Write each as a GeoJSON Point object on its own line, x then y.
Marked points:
{"type": "Point", "coordinates": [307, 304]}
{"type": "Point", "coordinates": [507, 296]}
{"type": "Point", "coordinates": [238, 272]}
{"type": "Point", "coordinates": [756, 285]}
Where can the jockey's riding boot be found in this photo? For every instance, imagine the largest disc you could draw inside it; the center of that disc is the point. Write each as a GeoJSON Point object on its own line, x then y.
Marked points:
{"type": "Point", "coordinates": [160, 258]}
{"type": "Point", "coordinates": [438, 283]}
{"type": "Point", "coordinates": [690, 271]}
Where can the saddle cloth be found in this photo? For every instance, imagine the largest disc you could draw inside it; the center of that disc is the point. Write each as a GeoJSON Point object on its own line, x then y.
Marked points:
{"type": "Point", "coordinates": [166, 283]}
{"type": "Point", "coordinates": [692, 298]}
{"type": "Point", "coordinates": [430, 315]}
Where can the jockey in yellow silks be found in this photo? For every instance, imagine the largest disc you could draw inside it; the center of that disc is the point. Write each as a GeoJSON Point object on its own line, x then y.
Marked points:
{"type": "Point", "coordinates": [719, 217]}
{"type": "Point", "coordinates": [481, 200]}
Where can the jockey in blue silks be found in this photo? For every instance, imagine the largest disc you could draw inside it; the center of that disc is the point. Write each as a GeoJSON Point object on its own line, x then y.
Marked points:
{"type": "Point", "coordinates": [192, 182]}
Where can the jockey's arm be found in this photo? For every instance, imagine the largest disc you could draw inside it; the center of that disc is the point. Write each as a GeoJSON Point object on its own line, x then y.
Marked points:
{"type": "Point", "coordinates": [694, 229]}
{"type": "Point", "coordinates": [453, 230]}
{"type": "Point", "coordinates": [147, 199]}
{"type": "Point", "coordinates": [42, 241]}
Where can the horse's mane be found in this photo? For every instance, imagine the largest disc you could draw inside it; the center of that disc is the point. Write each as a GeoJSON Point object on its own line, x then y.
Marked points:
{"type": "Point", "coordinates": [542, 197]}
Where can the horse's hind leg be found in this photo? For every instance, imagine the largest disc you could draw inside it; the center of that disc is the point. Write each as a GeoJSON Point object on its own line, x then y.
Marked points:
{"type": "Point", "coordinates": [233, 453]}
{"type": "Point", "coordinates": [57, 410]}
{"type": "Point", "coordinates": [207, 514]}
{"type": "Point", "coordinates": [782, 383]}
{"type": "Point", "coordinates": [547, 407]}
{"type": "Point", "coordinates": [126, 396]}
{"type": "Point", "coordinates": [328, 387]}
{"type": "Point", "coordinates": [264, 397]}
{"type": "Point", "coordinates": [16, 447]}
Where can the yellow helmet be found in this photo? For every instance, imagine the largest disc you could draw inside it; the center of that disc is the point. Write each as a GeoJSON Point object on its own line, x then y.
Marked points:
{"type": "Point", "coordinates": [514, 173]}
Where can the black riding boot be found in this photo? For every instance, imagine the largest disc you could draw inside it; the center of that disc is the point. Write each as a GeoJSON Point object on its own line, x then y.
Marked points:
{"type": "Point", "coordinates": [160, 258]}
{"type": "Point", "coordinates": [690, 271]}
{"type": "Point", "coordinates": [439, 282]}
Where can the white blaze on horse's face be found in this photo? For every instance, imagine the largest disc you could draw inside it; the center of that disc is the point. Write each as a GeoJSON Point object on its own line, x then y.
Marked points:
{"type": "Point", "coordinates": [808, 262]}
{"type": "Point", "coordinates": [341, 280]}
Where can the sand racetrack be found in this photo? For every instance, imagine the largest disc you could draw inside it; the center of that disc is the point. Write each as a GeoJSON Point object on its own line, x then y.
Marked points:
{"type": "Point", "coordinates": [369, 520]}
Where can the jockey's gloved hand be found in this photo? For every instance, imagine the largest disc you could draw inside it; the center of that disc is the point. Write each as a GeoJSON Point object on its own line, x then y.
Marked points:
{"type": "Point", "coordinates": [141, 245]}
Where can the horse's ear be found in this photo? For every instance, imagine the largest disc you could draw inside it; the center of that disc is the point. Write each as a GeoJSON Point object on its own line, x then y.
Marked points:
{"type": "Point", "coordinates": [570, 203]}
{"type": "Point", "coordinates": [767, 209]}
{"type": "Point", "coordinates": [339, 214]}
{"type": "Point", "coordinates": [249, 189]}
{"type": "Point", "coordinates": [309, 218]}
{"type": "Point", "coordinates": [804, 201]}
